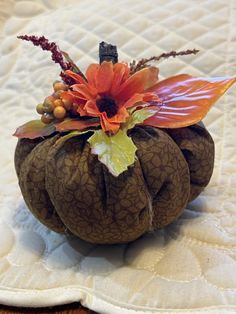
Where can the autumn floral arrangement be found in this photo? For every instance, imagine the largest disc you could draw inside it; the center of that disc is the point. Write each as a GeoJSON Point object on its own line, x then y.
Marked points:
{"type": "Point", "coordinates": [117, 152]}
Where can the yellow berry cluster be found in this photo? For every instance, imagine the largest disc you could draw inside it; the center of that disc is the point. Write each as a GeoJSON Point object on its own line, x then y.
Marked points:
{"type": "Point", "coordinates": [54, 106]}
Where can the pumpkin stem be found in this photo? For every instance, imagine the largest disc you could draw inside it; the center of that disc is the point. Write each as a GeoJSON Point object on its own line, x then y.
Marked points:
{"type": "Point", "coordinates": [107, 52]}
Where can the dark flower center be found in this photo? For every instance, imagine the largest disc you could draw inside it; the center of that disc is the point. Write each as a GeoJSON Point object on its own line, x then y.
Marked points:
{"type": "Point", "coordinates": [108, 105]}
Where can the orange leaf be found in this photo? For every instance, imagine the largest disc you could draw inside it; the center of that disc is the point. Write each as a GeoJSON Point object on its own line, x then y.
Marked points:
{"type": "Point", "coordinates": [70, 124]}
{"type": "Point", "coordinates": [34, 129]}
{"type": "Point", "coordinates": [185, 100]}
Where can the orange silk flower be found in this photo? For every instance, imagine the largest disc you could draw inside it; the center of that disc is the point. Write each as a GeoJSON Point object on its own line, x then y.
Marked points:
{"type": "Point", "coordinates": [109, 91]}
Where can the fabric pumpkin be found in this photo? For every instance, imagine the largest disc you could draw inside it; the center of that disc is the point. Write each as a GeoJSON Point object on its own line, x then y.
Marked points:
{"type": "Point", "coordinates": [117, 152]}
{"type": "Point", "coordinates": [71, 192]}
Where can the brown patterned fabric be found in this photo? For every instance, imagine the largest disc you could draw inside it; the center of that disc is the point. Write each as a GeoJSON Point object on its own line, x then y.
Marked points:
{"type": "Point", "coordinates": [32, 184]}
{"type": "Point", "coordinates": [69, 190]}
{"type": "Point", "coordinates": [23, 148]}
{"type": "Point", "coordinates": [198, 149]}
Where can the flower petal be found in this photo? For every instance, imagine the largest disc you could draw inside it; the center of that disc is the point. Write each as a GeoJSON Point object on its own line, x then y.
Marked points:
{"type": "Point", "coordinates": [140, 98]}
{"type": "Point", "coordinates": [107, 125]}
{"type": "Point", "coordinates": [105, 77]}
{"type": "Point", "coordinates": [81, 111]}
{"type": "Point", "coordinates": [84, 91]}
{"type": "Point", "coordinates": [91, 74]}
{"type": "Point", "coordinates": [67, 95]}
{"type": "Point", "coordinates": [121, 116]}
{"type": "Point", "coordinates": [121, 74]}
{"type": "Point", "coordinates": [75, 98]}
{"type": "Point", "coordinates": [72, 124]}
{"type": "Point", "coordinates": [78, 78]}
{"type": "Point", "coordinates": [137, 83]}
{"type": "Point", "coordinates": [91, 108]}
{"type": "Point", "coordinates": [186, 100]}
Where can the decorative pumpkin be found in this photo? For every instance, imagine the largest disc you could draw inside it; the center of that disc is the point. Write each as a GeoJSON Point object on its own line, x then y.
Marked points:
{"type": "Point", "coordinates": [123, 154]}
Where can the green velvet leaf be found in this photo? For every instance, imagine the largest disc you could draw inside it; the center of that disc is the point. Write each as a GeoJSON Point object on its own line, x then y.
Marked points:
{"type": "Point", "coordinates": [34, 129]}
{"type": "Point", "coordinates": [117, 152]}
{"type": "Point", "coordinates": [138, 116]}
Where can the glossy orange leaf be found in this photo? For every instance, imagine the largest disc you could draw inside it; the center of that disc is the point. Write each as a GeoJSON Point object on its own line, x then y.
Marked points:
{"type": "Point", "coordinates": [185, 100]}
{"type": "Point", "coordinates": [34, 129]}
{"type": "Point", "coordinates": [72, 124]}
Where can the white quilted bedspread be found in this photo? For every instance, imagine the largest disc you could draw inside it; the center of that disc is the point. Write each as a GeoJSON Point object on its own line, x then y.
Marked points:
{"type": "Point", "coordinates": [188, 267]}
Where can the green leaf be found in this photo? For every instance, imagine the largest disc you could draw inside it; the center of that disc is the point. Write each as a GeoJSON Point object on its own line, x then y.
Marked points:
{"type": "Point", "coordinates": [34, 129]}
{"type": "Point", "coordinates": [117, 152]}
{"type": "Point", "coordinates": [138, 116]}
{"type": "Point", "coordinates": [68, 59]}
{"type": "Point", "coordinates": [75, 124]}
{"type": "Point", "coordinates": [66, 137]}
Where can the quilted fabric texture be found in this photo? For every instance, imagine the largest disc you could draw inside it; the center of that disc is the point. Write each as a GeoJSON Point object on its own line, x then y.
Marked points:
{"type": "Point", "coordinates": [189, 266]}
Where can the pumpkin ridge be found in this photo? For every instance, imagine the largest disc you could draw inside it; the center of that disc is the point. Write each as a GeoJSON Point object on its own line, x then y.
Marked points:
{"type": "Point", "coordinates": [32, 184]}
{"type": "Point", "coordinates": [197, 141]}
{"type": "Point", "coordinates": [165, 203]}
{"type": "Point", "coordinates": [121, 231]}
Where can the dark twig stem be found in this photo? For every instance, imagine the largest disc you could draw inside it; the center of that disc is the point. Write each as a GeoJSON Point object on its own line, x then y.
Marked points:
{"type": "Point", "coordinates": [144, 62]}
